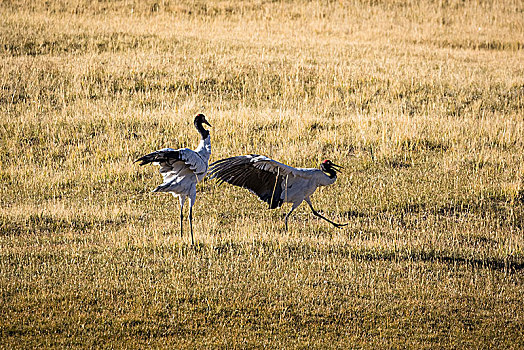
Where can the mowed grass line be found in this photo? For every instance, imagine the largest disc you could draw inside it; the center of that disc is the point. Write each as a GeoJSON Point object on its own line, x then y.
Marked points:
{"type": "Point", "coordinates": [422, 104]}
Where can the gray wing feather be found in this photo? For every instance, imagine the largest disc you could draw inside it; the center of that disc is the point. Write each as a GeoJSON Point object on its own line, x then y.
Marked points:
{"type": "Point", "coordinates": [260, 175]}
{"type": "Point", "coordinates": [193, 160]}
{"type": "Point", "coordinates": [173, 161]}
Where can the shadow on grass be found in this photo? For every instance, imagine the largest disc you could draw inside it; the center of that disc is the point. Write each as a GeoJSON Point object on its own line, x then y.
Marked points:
{"type": "Point", "coordinates": [304, 251]}
{"type": "Point", "coordinates": [506, 265]}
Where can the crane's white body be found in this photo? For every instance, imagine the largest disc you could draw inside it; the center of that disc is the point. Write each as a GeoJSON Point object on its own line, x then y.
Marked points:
{"type": "Point", "coordinates": [298, 184]}
{"type": "Point", "coordinates": [181, 177]}
{"type": "Point", "coordinates": [182, 169]}
{"type": "Point", "coordinates": [274, 182]}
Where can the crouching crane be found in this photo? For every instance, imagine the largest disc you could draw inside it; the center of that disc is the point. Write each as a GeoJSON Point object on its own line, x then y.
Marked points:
{"type": "Point", "coordinates": [182, 169]}
{"type": "Point", "coordinates": [276, 183]}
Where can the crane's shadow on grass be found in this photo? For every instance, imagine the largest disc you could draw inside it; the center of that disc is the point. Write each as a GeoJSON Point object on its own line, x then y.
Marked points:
{"type": "Point", "coordinates": [310, 252]}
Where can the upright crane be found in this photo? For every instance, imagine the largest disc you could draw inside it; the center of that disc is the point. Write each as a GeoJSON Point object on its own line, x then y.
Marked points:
{"type": "Point", "coordinates": [182, 169]}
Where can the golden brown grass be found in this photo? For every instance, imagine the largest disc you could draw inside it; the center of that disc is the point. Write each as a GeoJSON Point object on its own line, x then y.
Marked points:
{"type": "Point", "coordinates": [421, 101]}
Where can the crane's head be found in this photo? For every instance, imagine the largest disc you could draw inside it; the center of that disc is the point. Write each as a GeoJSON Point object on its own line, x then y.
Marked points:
{"type": "Point", "coordinates": [201, 119]}
{"type": "Point", "coordinates": [330, 167]}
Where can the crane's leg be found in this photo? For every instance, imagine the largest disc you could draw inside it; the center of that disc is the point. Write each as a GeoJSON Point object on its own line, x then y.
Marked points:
{"type": "Point", "coordinates": [192, 198]}
{"type": "Point", "coordinates": [295, 206]}
{"type": "Point", "coordinates": [320, 216]}
{"type": "Point", "coordinates": [182, 200]}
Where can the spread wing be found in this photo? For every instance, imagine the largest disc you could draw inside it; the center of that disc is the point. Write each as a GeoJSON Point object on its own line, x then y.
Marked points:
{"type": "Point", "coordinates": [259, 174]}
{"type": "Point", "coordinates": [173, 161]}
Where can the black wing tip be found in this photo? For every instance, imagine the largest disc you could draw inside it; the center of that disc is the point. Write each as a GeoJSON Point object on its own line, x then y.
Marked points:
{"type": "Point", "coordinates": [275, 204]}
{"type": "Point", "coordinates": [142, 161]}
{"type": "Point", "coordinates": [159, 156]}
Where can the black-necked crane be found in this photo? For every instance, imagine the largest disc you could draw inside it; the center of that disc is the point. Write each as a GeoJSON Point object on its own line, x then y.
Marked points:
{"type": "Point", "coordinates": [182, 169]}
{"type": "Point", "coordinates": [276, 183]}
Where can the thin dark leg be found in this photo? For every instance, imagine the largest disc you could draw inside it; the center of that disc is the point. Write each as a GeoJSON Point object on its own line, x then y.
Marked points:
{"type": "Point", "coordinates": [295, 205]}
{"type": "Point", "coordinates": [322, 217]}
{"type": "Point", "coordinates": [181, 223]}
{"type": "Point", "coordinates": [191, 223]}
{"type": "Point", "coordinates": [182, 200]}
{"type": "Point", "coordinates": [192, 197]}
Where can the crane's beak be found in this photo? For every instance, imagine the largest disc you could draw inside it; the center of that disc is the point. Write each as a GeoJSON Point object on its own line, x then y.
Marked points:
{"type": "Point", "coordinates": [337, 167]}
{"type": "Point", "coordinates": [205, 122]}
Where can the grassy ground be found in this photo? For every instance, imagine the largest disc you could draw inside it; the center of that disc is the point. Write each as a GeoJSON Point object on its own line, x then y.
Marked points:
{"type": "Point", "coordinates": [420, 101]}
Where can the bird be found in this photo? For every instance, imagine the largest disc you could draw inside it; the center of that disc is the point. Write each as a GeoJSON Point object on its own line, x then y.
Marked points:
{"type": "Point", "coordinates": [275, 183]}
{"type": "Point", "coordinates": [182, 169]}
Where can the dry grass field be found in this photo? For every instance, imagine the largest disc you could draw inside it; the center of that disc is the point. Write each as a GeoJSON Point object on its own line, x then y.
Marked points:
{"type": "Point", "coordinates": [421, 101]}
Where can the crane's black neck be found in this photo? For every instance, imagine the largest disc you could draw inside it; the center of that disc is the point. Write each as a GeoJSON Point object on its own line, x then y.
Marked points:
{"type": "Point", "coordinates": [331, 173]}
{"type": "Point", "coordinates": [203, 132]}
